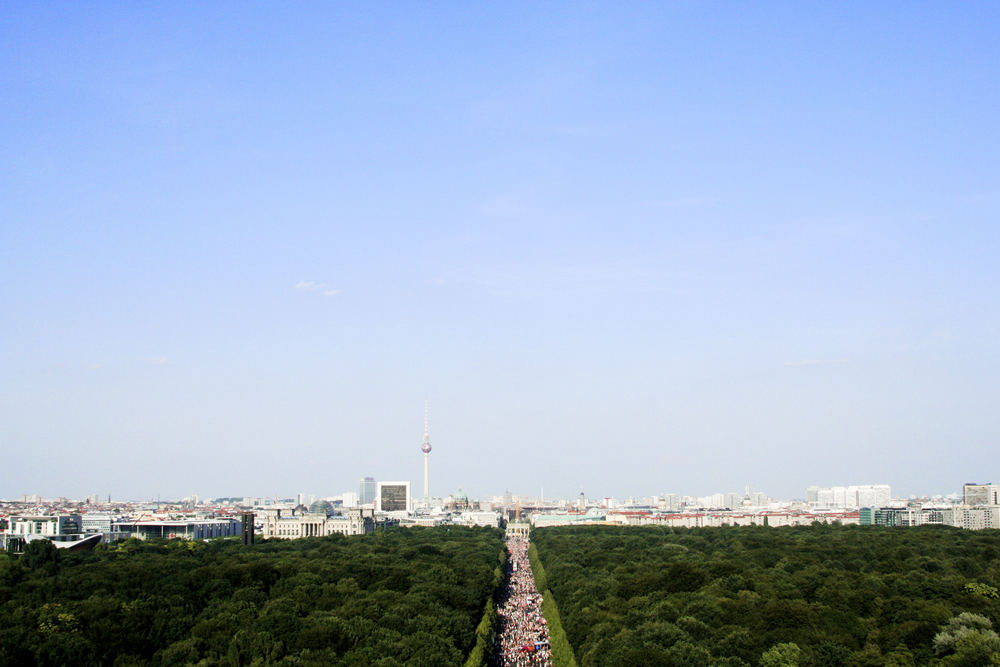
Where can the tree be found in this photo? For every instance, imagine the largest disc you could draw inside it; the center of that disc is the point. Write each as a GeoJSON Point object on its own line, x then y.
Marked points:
{"type": "Point", "coordinates": [41, 554]}
{"type": "Point", "coordinates": [983, 590]}
{"type": "Point", "coordinates": [963, 625]}
{"type": "Point", "coordinates": [781, 655]}
{"type": "Point", "coordinates": [831, 654]}
{"type": "Point", "coordinates": [900, 657]}
{"type": "Point", "coordinates": [972, 647]}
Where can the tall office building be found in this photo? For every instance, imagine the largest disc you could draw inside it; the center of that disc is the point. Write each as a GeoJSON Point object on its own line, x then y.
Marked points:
{"type": "Point", "coordinates": [393, 497]}
{"type": "Point", "coordinates": [870, 495]}
{"type": "Point", "coordinates": [248, 527]}
{"type": "Point", "coordinates": [981, 494]}
{"type": "Point", "coordinates": [366, 491]}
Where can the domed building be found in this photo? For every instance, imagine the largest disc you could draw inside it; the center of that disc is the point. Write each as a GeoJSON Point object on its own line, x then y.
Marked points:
{"type": "Point", "coordinates": [318, 521]}
{"type": "Point", "coordinates": [321, 507]}
{"type": "Point", "coordinates": [458, 501]}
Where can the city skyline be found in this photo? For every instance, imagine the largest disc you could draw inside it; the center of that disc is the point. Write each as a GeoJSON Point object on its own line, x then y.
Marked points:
{"type": "Point", "coordinates": [812, 494]}
{"type": "Point", "coordinates": [623, 249]}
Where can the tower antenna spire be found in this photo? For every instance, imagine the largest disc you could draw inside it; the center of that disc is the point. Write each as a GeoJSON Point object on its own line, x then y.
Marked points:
{"type": "Point", "coordinates": [426, 449]}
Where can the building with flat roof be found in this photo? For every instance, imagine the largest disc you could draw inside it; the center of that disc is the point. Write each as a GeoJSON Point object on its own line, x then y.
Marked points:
{"type": "Point", "coordinates": [366, 490]}
{"type": "Point", "coordinates": [184, 529]}
{"type": "Point", "coordinates": [901, 516]}
{"type": "Point", "coordinates": [96, 523]}
{"type": "Point", "coordinates": [981, 494]}
{"type": "Point", "coordinates": [482, 518]}
{"type": "Point", "coordinates": [591, 516]}
{"type": "Point", "coordinates": [393, 497]}
{"type": "Point", "coordinates": [973, 518]}
{"type": "Point", "coordinates": [844, 497]}
{"type": "Point", "coordinates": [47, 525]}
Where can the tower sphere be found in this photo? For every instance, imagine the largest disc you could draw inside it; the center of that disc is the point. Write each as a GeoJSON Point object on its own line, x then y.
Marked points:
{"type": "Point", "coordinates": [426, 448]}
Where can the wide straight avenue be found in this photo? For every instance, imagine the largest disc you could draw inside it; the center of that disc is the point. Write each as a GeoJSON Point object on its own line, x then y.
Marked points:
{"type": "Point", "coordinates": [522, 633]}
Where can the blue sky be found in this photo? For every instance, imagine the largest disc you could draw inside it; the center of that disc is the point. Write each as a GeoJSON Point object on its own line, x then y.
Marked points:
{"type": "Point", "coordinates": [634, 249]}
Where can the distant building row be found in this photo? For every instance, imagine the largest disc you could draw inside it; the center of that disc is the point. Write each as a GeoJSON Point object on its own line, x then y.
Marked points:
{"type": "Point", "coordinates": [689, 519]}
{"type": "Point", "coordinates": [848, 497]}
{"type": "Point", "coordinates": [66, 529]}
{"type": "Point", "coordinates": [970, 518]}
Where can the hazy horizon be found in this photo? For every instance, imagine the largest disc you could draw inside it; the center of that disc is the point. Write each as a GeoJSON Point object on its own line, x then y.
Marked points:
{"type": "Point", "coordinates": [625, 249]}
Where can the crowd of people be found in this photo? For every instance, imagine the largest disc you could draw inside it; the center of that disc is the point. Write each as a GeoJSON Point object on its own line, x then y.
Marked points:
{"type": "Point", "coordinates": [522, 638]}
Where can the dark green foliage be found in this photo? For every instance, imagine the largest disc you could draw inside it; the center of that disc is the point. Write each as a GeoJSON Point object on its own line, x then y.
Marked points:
{"type": "Point", "coordinates": [41, 555]}
{"type": "Point", "coordinates": [839, 595]}
{"type": "Point", "coordinates": [486, 630]}
{"type": "Point", "coordinates": [485, 633]}
{"type": "Point", "coordinates": [405, 596]}
{"type": "Point", "coordinates": [562, 651]}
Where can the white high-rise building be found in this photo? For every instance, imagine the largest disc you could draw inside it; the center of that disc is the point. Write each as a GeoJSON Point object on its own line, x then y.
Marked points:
{"type": "Point", "coordinates": [733, 500]}
{"type": "Point", "coordinates": [849, 497]}
{"type": "Point", "coordinates": [713, 500]}
{"type": "Point", "coordinates": [869, 495]}
{"type": "Point", "coordinates": [981, 494]}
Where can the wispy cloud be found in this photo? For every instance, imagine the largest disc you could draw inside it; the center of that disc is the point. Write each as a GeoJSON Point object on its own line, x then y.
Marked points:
{"type": "Point", "coordinates": [322, 288]}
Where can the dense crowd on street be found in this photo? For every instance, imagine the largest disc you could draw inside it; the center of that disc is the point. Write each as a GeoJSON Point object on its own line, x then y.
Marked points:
{"type": "Point", "coordinates": [522, 634]}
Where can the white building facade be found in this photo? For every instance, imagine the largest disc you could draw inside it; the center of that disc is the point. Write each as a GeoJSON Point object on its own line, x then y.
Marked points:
{"type": "Point", "coordinates": [48, 525]}
{"type": "Point", "coordinates": [973, 518]}
{"type": "Point", "coordinates": [849, 497]}
{"type": "Point", "coordinates": [293, 525]}
{"type": "Point", "coordinates": [981, 494]}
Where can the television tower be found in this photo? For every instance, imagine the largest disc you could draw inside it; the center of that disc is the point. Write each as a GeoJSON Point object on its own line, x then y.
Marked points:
{"type": "Point", "coordinates": [426, 449]}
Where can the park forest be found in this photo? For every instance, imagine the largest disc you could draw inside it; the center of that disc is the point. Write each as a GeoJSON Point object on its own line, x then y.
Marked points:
{"type": "Point", "coordinates": [403, 596]}
{"type": "Point", "coordinates": [821, 595]}
{"type": "Point", "coordinates": [735, 596]}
